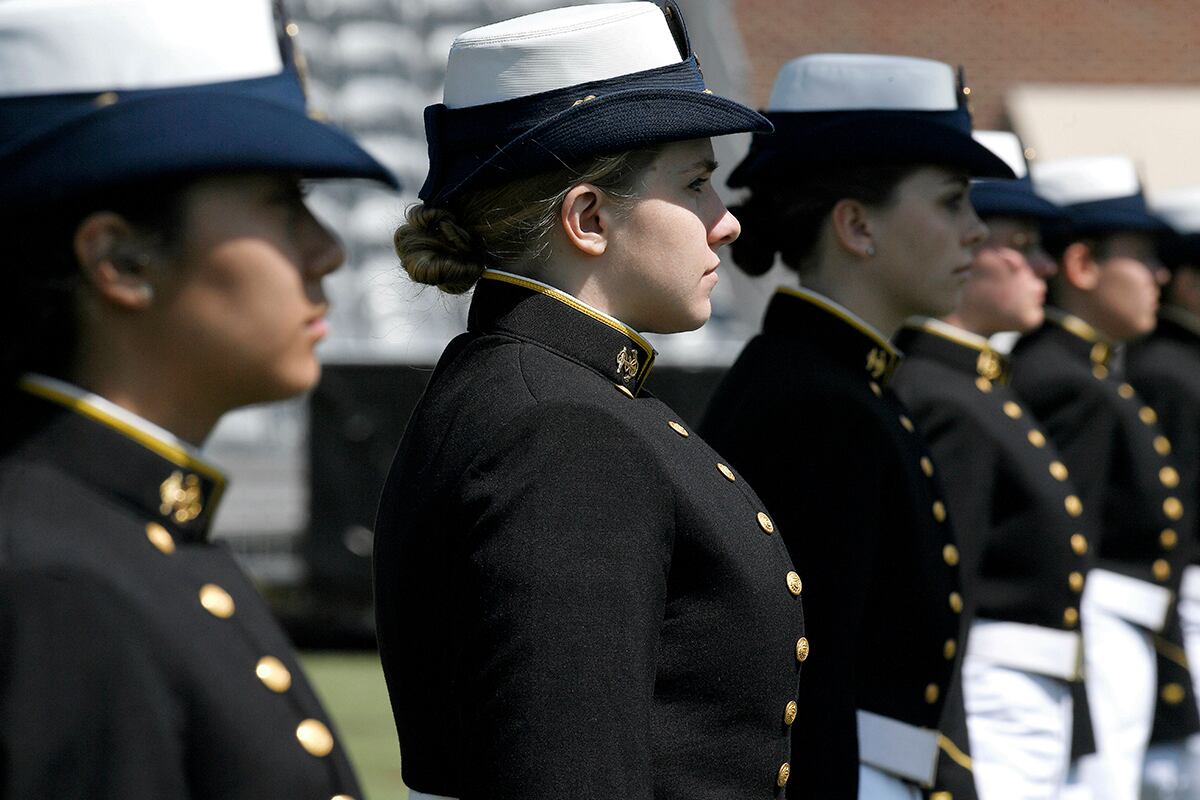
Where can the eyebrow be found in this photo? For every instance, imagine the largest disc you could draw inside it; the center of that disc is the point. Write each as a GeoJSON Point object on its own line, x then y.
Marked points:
{"type": "Point", "coordinates": [703, 165]}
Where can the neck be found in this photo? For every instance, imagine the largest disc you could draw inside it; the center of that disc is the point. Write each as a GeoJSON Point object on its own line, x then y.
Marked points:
{"type": "Point", "coordinates": [872, 305]}
{"type": "Point", "coordinates": [1077, 305]}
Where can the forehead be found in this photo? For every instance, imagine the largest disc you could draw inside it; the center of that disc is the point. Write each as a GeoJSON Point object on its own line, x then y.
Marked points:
{"type": "Point", "coordinates": [686, 153]}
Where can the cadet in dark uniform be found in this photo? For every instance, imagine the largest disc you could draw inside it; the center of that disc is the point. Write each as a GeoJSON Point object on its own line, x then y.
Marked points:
{"type": "Point", "coordinates": [576, 596]}
{"type": "Point", "coordinates": [863, 190]}
{"type": "Point", "coordinates": [1106, 292]}
{"type": "Point", "coordinates": [167, 270]}
{"type": "Point", "coordinates": [1015, 511]}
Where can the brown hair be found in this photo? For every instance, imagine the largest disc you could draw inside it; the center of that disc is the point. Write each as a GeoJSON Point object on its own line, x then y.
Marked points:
{"type": "Point", "coordinates": [505, 226]}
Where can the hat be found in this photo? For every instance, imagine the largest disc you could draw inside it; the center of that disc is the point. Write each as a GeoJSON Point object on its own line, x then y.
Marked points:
{"type": "Point", "coordinates": [1013, 198]}
{"type": "Point", "coordinates": [1098, 194]}
{"type": "Point", "coordinates": [95, 93]}
{"type": "Point", "coordinates": [838, 108]}
{"type": "Point", "coordinates": [1180, 209]}
{"type": "Point", "coordinates": [561, 86]}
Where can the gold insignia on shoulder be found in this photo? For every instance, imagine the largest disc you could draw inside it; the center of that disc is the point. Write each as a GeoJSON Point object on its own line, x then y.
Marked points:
{"type": "Point", "coordinates": [181, 497]}
{"type": "Point", "coordinates": [627, 363]}
{"type": "Point", "coordinates": [988, 365]}
{"type": "Point", "coordinates": [878, 362]}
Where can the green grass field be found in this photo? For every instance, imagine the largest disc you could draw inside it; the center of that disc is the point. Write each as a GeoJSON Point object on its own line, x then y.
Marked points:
{"type": "Point", "coordinates": [351, 686]}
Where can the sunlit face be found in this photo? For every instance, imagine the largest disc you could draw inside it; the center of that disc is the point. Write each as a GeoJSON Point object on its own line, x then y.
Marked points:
{"type": "Point", "coordinates": [1006, 288]}
{"type": "Point", "coordinates": [243, 299]}
{"type": "Point", "coordinates": [664, 247]}
{"type": "Point", "coordinates": [1125, 297]}
{"type": "Point", "coordinates": [923, 242]}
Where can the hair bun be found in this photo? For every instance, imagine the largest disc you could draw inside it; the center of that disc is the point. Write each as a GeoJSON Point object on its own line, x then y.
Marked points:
{"type": "Point", "coordinates": [435, 249]}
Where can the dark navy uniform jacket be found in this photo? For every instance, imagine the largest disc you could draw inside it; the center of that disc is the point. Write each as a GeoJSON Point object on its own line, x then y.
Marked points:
{"type": "Point", "coordinates": [576, 597]}
{"type": "Point", "coordinates": [1110, 439]}
{"type": "Point", "coordinates": [136, 659]}
{"type": "Point", "coordinates": [806, 414]}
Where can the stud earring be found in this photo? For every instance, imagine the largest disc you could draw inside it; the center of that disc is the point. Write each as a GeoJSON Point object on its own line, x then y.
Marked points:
{"type": "Point", "coordinates": [870, 251]}
{"type": "Point", "coordinates": [146, 291]}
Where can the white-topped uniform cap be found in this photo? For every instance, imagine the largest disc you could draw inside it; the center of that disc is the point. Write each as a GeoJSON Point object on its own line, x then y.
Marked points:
{"type": "Point", "coordinates": [863, 82]}
{"type": "Point", "coordinates": [1007, 146]}
{"type": "Point", "coordinates": [1088, 179]}
{"type": "Point", "coordinates": [1180, 208]}
{"type": "Point", "coordinates": [555, 49]}
{"type": "Point", "coordinates": [76, 46]}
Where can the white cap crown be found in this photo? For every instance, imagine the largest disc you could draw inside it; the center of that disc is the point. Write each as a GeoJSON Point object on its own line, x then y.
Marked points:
{"type": "Point", "coordinates": [555, 49]}
{"type": "Point", "coordinates": [1180, 208]}
{"type": "Point", "coordinates": [861, 82]}
{"type": "Point", "coordinates": [1088, 179]}
{"type": "Point", "coordinates": [1006, 146]}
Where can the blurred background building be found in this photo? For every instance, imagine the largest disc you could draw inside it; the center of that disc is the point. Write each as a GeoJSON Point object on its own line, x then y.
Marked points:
{"type": "Point", "coordinates": [1084, 77]}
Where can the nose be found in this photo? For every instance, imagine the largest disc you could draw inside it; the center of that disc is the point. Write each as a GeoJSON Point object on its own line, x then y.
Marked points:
{"type": "Point", "coordinates": [1043, 265]}
{"type": "Point", "coordinates": [323, 252]}
{"type": "Point", "coordinates": [726, 230]}
{"type": "Point", "coordinates": [977, 231]}
{"type": "Point", "coordinates": [1162, 275]}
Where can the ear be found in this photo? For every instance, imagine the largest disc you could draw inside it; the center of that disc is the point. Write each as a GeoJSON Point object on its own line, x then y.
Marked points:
{"type": "Point", "coordinates": [113, 262]}
{"type": "Point", "coordinates": [586, 220]}
{"type": "Point", "coordinates": [1079, 267]}
{"type": "Point", "coordinates": [852, 228]}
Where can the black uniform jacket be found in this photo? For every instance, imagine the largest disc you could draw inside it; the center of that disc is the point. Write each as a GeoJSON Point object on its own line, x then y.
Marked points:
{"type": "Point", "coordinates": [1110, 439]}
{"type": "Point", "coordinates": [575, 596]}
{"type": "Point", "coordinates": [1016, 512]}
{"type": "Point", "coordinates": [806, 414]}
{"type": "Point", "coordinates": [1176, 716]}
{"type": "Point", "coordinates": [136, 659]}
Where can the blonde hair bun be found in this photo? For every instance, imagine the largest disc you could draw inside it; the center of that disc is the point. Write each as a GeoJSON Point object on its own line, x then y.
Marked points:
{"type": "Point", "coordinates": [435, 249]}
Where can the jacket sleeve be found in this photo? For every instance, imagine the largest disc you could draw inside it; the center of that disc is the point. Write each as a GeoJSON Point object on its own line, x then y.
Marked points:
{"type": "Point", "coordinates": [571, 525]}
{"type": "Point", "coordinates": [84, 710]}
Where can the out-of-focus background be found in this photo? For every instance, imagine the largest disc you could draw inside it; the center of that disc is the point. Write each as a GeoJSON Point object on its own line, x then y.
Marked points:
{"type": "Point", "coordinates": [1080, 77]}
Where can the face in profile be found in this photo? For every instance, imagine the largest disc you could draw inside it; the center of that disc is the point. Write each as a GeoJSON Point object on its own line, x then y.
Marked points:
{"type": "Point", "coordinates": [663, 248]}
{"type": "Point", "coordinates": [1127, 285]}
{"type": "Point", "coordinates": [924, 240]}
{"type": "Point", "coordinates": [243, 298]}
{"type": "Point", "coordinates": [1006, 288]}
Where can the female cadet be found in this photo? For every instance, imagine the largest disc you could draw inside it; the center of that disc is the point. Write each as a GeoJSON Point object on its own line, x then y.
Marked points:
{"type": "Point", "coordinates": [167, 270]}
{"type": "Point", "coordinates": [1014, 507]}
{"type": "Point", "coordinates": [575, 596]}
{"type": "Point", "coordinates": [864, 192]}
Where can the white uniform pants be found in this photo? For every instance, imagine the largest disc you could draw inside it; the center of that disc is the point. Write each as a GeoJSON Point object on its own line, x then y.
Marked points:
{"type": "Point", "coordinates": [875, 784]}
{"type": "Point", "coordinates": [1189, 620]}
{"type": "Point", "coordinates": [1020, 731]}
{"type": "Point", "coordinates": [1121, 683]}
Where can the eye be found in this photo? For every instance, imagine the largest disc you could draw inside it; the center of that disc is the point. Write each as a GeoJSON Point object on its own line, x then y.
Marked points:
{"type": "Point", "coordinates": [698, 184]}
{"type": "Point", "coordinates": [955, 200]}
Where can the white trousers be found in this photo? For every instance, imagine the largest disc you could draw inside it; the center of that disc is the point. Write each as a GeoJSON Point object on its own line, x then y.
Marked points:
{"type": "Point", "coordinates": [1189, 620]}
{"type": "Point", "coordinates": [1122, 677]}
{"type": "Point", "coordinates": [1019, 725]}
{"type": "Point", "coordinates": [875, 784]}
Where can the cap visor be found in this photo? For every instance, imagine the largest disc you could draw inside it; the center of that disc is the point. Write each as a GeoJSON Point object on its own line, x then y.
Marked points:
{"type": "Point", "coordinates": [1007, 199]}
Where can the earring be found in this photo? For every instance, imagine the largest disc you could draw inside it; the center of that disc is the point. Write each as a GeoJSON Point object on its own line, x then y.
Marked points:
{"type": "Point", "coordinates": [146, 291]}
{"type": "Point", "coordinates": [870, 251]}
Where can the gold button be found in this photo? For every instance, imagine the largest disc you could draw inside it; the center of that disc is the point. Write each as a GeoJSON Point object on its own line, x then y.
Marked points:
{"type": "Point", "coordinates": [1070, 617]}
{"type": "Point", "coordinates": [1125, 390]}
{"type": "Point", "coordinates": [675, 426]}
{"type": "Point", "coordinates": [983, 384]}
{"type": "Point", "coordinates": [160, 537]}
{"type": "Point", "coordinates": [802, 649]}
{"type": "Point", "coordinates": [1100, 371]}
{"type": "Point", "coordinates": [341, 797]}
{"type": "Point", "coordinates": [623, 390]}
{"type": "Point", "coordinates": [1036, 438]}
{"type": "Point", "coordinates": [1162, 445]}
{"type": "Point", "coordinates": [764, 522]}
{"type": "Point", "coordinates": [315, 737]}
{"type": "Point", "coordinates": [1075, 581]}
{"type": "Point", "coordinates": [785, 772]}
{"type": "Point", "coordinates": [1169, 477]}
{"type": "Point", "coordinates": [726, 471]}
{"type": "Point", "coordinates": [875, 390]}
{"type": "Point", "coordinates": [274, 675]}
{"type": "Point", "coordinates": [941, 796]}
{"type": "Point", "coordinates": [1168, 538]}
{"type": "Point", "coordinates": [1073, 505]}
{"type": "Point", "coordinates": [956, 602]}
{"type": "Point", "coordinates": [1161, 569]}
{"type": "Point", "coordinates": [932, 693]}
{"type": "Point", "coordinates": [939, 510]}
{"type": "Point", "coordinates": [1079, 543]}
{"type": "Point", "coordinates": [105, 99]}
{"type": "Point", "coordinates": [216, 601]}
{"type": "Point", "coordinates": [789, 713]}
{"type": "Point", "coordinates": [1059, 470]}
{"type": "Point", "coordinates": [292, 29]}
{"type": "Point", "coordinates": [907, 423]}
{"type": "Point", "coordinates": [1173, 508]}
{"type": "Point", "coordinates": [1173, 694]}
{"type": "Point", "coordinates": [1146, 414]}
{"type": "Point", "coordinates": [1012, 409]}
{"type": "Point", "coordinates": [949, 649]}
{"type": "Point", "coordinates": [795, 585]}
{"type": "Point", "coordinates": [950, 555]}
{"type": "Point", "coordinates": [927, 466]}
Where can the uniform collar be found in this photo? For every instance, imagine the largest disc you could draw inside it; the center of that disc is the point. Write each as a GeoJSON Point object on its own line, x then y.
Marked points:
{"type": "Point", "coordinates": [1081, 338]}
{"type": "Point", "coordinates": [800, 311]}
{"type": "Point", "coordinates": [537, 312]}
{"type": "Point", "coordinates": [125, 455]}
{"type": "Point", "coordinates": [954, 347]}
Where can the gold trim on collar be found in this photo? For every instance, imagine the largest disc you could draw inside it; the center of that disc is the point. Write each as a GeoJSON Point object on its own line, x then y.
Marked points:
{"type": "Point", "coordinates": [176, 455]}
{"type": "Point", "coordinates": [1073, 324]}
{"type": "Point", "coordinates": [990, 364]}
{"type": "Point", "coordinates": [842, 313]}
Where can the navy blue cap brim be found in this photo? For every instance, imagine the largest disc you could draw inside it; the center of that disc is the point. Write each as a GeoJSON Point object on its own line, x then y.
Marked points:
{"type": "Point", "coordinates": [997, 198]}
{"type": "Point", "coordinates": [1117, 215]}
{"type": "Point", "coordinates": [807, 140]}
{"type": "Point", "coordinates": [167, 133]}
